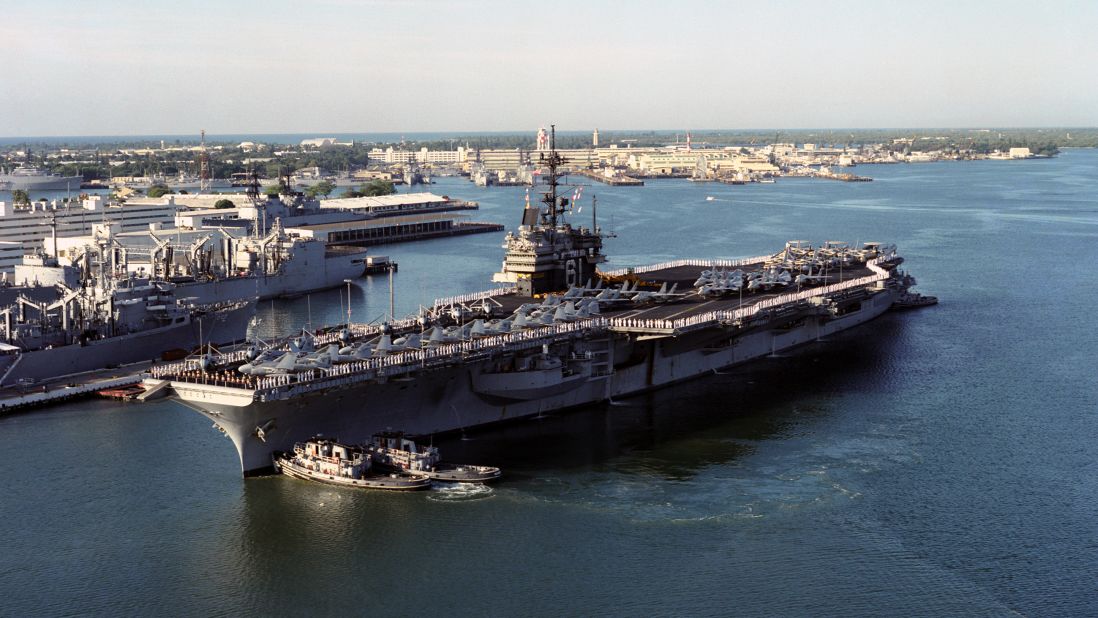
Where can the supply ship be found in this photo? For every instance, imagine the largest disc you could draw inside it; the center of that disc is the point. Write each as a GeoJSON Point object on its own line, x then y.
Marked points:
{"type": "Point", "coordinates": [559, 333]}
{"type": "Point", "coordinates": [215, 266]}
{"type": "Point", "coordinates": [109, 322]}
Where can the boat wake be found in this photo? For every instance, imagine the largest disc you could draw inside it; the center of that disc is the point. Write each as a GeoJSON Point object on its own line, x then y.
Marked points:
{"type": "Point", "coordinates": [459, 492]}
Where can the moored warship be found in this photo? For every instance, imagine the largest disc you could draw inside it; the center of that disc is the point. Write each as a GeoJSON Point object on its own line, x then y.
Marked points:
{"type": "Point", "coordinates": [559, 334]}
{"type": "Point", "coordinates": [29, 177]}
{"type": "Point", "coordinates": [217, 266]}
{"type": "Point", "coordinates": [113, 323]}
{"type": "Point", "coordinates": [82, 319]}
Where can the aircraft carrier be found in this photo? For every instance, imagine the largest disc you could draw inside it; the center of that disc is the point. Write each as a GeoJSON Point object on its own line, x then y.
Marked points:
{"type": "Point", "coordinates": [557, 334]}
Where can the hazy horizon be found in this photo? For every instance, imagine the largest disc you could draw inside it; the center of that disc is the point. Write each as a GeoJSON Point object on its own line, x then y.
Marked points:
{"type": "Point", "coordinates": [472, 66]}
{"type": "Point", "coordinates": [532, 131]}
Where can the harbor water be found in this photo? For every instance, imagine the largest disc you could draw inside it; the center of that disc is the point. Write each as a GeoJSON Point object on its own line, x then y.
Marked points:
{"type": "Point", "coordinates": [935, 462]}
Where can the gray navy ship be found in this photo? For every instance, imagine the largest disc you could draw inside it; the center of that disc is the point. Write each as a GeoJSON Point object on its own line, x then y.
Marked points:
{"type": "Point", "coordinates": [31, 178]}
{"type": "Point", "coordinates": [559, 334]}
{"type": "Point", "coordinates": [214, 265]}
{"type": "Point", "coordinates": [77, 319]}
{"type": "Point", "coordinates": [108, 322]}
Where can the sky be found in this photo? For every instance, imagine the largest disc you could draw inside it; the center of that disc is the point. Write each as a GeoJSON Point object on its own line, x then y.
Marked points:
{"type": "Point", "coordinates": [109, 67]}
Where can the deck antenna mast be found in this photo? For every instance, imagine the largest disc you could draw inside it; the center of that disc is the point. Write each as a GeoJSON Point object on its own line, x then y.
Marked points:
{"type": "Point", "coordinates": [253, 197]}
{"type": "Point", "coordinates": [556, 205]}
{"type": "Point", "coordinates": [392, 296]}
{"type": "Point", "coordinates": [203, 165]}
{"type": "Point", "coordinates": [348, 282]}
{"type": "Point", "coordinates": [595, 213]}
{"type": "Point", "coordinates": [51, 220]}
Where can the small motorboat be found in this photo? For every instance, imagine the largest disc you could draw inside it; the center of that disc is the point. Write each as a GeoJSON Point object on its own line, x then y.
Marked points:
{"type": "Point", "coordinates": [392, 450]}
{"type": "Point", "coordinates": [123, 393]}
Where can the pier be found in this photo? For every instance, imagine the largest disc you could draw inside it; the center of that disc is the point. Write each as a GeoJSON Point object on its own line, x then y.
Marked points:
{"type": "Point", "coordinates": [460, 228]}
{"type": "Point", "coordinates": [380, 232]}
{"type": "Point", "coordinates": [844, 177]}
{"type": "Point", "coordinates": [615, 181]}
{"type": "Point", "coordinates": [67, 388]}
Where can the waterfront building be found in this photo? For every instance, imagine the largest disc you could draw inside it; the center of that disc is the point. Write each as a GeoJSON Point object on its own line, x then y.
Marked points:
{"type": "Point", "coordinates": [11, 254]}
{"type": "Point", "coordinates": [504, 159]}
{"type": "Point", "coordinates": [391, 156]}
{"type": "Point", "coordinates": [744, 163]}
{"type": "Point", "coordinates": [197, 211]}
{"type": "Point", "coordinates": [379, 231]}
{"type": "Point", "coordinates": [356, 220]}
{"type": "Point", "coordinates": [368, 175]}
{"type": "Point", "coordinates": [669, 162]}
{"type": "Point", "coordinates": [397, 203]}
{"type": "Point", "coordinates": [664, 162]}
{"type": "Point", "coordinates": [29, 225]}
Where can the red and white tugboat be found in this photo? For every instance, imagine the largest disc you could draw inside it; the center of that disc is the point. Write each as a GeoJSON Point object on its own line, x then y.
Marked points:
{"type": "Point", "coordinates": [328, 461]}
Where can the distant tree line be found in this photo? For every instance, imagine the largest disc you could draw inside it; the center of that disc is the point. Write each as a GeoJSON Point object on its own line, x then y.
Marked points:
{"type": "Point", "coordinates": [374, 188]}
{"type": "Point", "coordinates": [104, 161]}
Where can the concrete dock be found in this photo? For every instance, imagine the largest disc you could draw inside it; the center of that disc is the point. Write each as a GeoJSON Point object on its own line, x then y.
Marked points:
{"type": "Point", "coordinates": [65, 388]}
{"type": "Point", "coordinates": [458, 228]}
{"type": "Point", "coordinates": [615, 181]}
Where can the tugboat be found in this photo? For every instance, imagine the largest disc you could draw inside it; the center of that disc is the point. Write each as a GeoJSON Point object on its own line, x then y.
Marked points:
{"type": "Point", "coordinates": [328, 461]}
{"type": "Point", "coordinates": [393, 451]}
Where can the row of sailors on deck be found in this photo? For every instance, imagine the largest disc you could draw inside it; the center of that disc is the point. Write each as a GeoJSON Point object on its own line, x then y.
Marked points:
{"type": "Point", "coordinates": [217, 378]}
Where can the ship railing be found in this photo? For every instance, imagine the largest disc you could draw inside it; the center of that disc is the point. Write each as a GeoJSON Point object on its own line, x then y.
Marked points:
{"type": "Point", "coordinates": [174, 368]}
{"type": "Point", "coordinates": [225, 378]}
{"type": "Point", "coordinates": [473, 296]}
{"type": "Point", "coordinates": [404, 361]}
{"type": "Point", "coordinates": [712, 317]}
{"type": "Point", "coordinates": [407, 361]}
{"type": "Point", "coordinates": [701, 263]}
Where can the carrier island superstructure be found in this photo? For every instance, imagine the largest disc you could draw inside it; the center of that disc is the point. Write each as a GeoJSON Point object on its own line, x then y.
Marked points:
{"type": "Point", "coordinates": [559, 334]}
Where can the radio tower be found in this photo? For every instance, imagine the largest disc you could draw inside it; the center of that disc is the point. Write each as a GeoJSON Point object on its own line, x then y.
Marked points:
{"type": "Point", "coordinates": [203, 165]}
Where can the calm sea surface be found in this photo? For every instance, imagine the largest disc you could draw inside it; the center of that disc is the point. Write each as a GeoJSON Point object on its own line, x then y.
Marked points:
{"type": "Point", "coordinates": [937, 462]}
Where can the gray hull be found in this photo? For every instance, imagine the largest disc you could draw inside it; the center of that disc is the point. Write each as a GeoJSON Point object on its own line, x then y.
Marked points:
{"type": "Point", "coordinates": [219, 328]}
{"type": "Point", "coordinates": [42, 183]}
{"type": "Point", "coordinates": [447, 399]}
{"type": "Point", "coordinates": [301, 279]}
